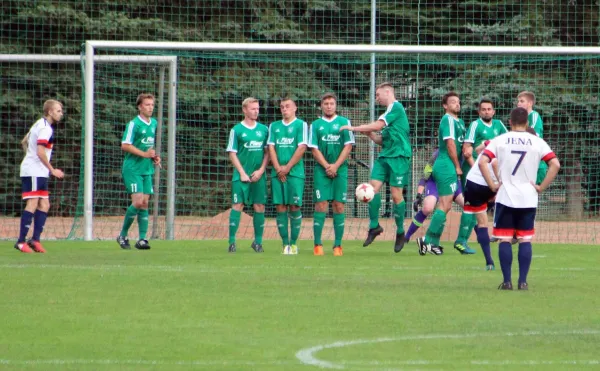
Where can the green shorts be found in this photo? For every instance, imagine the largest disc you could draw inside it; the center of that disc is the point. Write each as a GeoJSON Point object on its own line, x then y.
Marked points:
{"type": "Point", "coordinates": [391, 170]}
{"type": "Point", "coordinates": [446, 181]}
{"type": "Point", "coordinates": [288, 193]}
{"type": "Point", "coordinates": [330, 189]}
{"type": "Point", "coordinates": [541, 173]}
{"type": "Point", "coordinates": [138, 183]}
{"type": "Point", "coordinates": [254, 193]}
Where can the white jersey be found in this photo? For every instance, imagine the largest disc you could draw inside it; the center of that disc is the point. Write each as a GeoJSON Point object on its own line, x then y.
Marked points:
{"type": "Point", "coordinates": [475, 176]}
{"type": "Point", "coordinates": [519, 154]}
{"type": "Point", "coordinates": [39, 134]}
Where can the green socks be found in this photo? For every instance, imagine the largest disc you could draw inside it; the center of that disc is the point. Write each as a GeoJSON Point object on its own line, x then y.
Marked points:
{"type": "Point", "coordinates": [282, 226]}
{"type": "Point", "coordinates": [434, 232]}
{"type": "Point", "coordinates": [318, 224]}
{"type": "Point", "coordinates": [466, 226]}
{"type": "Point", "coordinates": [399, 216]}
{"type": "Point", "coordinates": [374, 206]}
{"type": "Point", "coordinates": [259, 227]}
{"type": "Point", "coordinates": [295, 223]}
{"type": "Point", "coordinates": [129, 218]}
{"type": "Point", "coordinates": [338, 228]}
{"type": "Point", "coordinates": [143, 223]}
{"type": "Point", "coordinates": [234, 224]}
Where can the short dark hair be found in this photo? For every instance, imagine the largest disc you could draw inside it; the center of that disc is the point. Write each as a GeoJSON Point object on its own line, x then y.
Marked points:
{"type": "Point", "coordinates": [448, 95]}
{"type": "Point", "coordinates": [328, 95]}
{"type": "Point", "coordinates": [518, 116]}
{"type": "Point", "coordinates": [485, 100]}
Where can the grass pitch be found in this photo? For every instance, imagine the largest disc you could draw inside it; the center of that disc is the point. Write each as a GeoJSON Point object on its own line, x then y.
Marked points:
{"type": "Point", "coordinates": [189, 305]}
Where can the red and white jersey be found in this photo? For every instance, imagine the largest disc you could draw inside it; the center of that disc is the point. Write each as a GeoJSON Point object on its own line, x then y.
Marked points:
{"type": "Point", "coordinates": [519, 154]}
{"type": "Point", "coordinates": [475, 175]}
{"type": "Point", "coordinates": [39, 134]}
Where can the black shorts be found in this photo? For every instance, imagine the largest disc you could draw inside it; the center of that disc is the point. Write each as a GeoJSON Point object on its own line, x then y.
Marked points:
{"type": "Point", "coordinates": [510, 221]}
{"type": "Point", "coordinates": [477, 197]}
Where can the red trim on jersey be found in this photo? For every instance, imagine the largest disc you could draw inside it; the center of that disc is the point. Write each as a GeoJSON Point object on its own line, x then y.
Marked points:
{"type": "Point", "coordinates": [486, 143]}
{"type": "Point", "coordinates": [549, 157]}
{"type": "Point", "coordinates": [42, 142]}
{"type": "Point", "coordinates": [501, 232]}
{"type": "Point", "coordinates": [35, 194]}
{"type": "Point", "coordinates": [489, 154]}
{"type": "Point", "coordinates": [469, 209]}
{"type": "Point", "coordinates": [525, 234]}
{"type": "Point", "coordinates": [49, 145]}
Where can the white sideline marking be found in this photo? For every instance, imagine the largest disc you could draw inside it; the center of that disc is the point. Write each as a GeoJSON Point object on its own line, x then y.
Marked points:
{"type": "Point", "coordinates": [307, 355]}
{"type": "Point", "coordinates": [139, 362]}
{"type": "Point", "coordinates": [194, 269]}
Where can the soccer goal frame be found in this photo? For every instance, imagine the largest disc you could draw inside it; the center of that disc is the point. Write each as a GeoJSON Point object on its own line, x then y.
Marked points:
{"type": "Point", "coordinates": [167, 63]}
{"type": "Point", "coordinates": [92, 46]}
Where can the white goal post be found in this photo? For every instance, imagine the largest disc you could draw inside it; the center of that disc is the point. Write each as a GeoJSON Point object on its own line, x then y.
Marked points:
{"type": "Point", "coordinates": [92, 46]}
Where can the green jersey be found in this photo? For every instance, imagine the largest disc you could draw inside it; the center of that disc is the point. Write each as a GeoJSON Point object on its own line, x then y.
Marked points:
{"type": "Point", "coordinates": [286, 138]}
{"type": "Point", "coordinates": [450, 128]}
{"type": "Point", "coordinates": [249, 144]}
{"type": "Point", "coordinates": [141, 135]}
{"type": "Point", "coordinates": [395, 135]}
{"type": "Point", "coordinates": [479, 132]}
{"type": "Point", "coordinates": [536, 123]}
{"type": "Point", "coordinates": [325, 135]}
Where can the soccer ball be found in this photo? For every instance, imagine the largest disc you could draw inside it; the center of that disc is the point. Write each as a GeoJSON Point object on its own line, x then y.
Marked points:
{"type": "Point", "coordinates": [365, 192]}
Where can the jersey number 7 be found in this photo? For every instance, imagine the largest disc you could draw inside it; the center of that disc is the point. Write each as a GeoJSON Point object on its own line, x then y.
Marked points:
{"type": "Point", "coordinates": [521, 157]}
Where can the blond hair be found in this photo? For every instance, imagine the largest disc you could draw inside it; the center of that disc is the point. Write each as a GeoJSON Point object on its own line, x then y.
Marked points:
{"type": "Point", "coordinates": [385, 85]}
{"type": "Point", "coordinates": [49, 104]}
{"type": "Point", "coordinates": [140, 99]}
{"type": "Point", "coordinates": [527, 95]}
{"type": "Point", "coordinates": [248, 101]}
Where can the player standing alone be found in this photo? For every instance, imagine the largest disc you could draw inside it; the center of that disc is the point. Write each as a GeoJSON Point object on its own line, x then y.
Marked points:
{"type": "Point", "coordinates": [248, 153]}
{"type": "Point", "coordinates": [518, 154]}
{"type": "Point", "coordinates": [287, 143]}
{"type": "Point", "coordinates": [138, 168]}
{"type": "Point", "coordinates": [331, 148]}
{"type": "Point", "coordinates": [35, 171]}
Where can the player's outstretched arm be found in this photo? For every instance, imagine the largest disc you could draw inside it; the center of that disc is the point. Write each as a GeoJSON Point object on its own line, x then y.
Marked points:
{"type": "Point", "coordinates": [553, 168]}
{"type": "Point", "coordinates": [374, 126]}
{"type": "Point", "coordinates": [467, 152]}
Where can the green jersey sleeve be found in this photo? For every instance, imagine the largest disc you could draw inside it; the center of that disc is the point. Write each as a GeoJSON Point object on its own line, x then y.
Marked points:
{"type": "Point", "coordinates": [270, 139]}
{"type": "Point", "coordinates": [232, 144]}
{"type": "Point", "coordinates": [393, 113]}
{"type": "Point", "coordinates": [447, 128]}
{"type": "Point", "coordinates": [313, 137]}
{"type": "Point", "coordinates": [471, 132]}
{"type": "Point", "coordinates": [302, 134]}
{"type": "Point", "coordinates": [348, 136]}
{"type": "Point", "coordinates": [129, 133]}
{"type": "Point", "coordinates": [536, 123]}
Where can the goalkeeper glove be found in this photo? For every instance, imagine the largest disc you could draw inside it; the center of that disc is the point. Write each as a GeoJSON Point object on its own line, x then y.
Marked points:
{"type": "Point", "coordinates": [418, 202]}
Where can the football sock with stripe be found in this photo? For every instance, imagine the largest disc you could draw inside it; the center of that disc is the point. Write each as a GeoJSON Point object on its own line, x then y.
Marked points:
{"type": "Point", "coordinates": [318, 222]}
{"type": "Point", "coordinates": [282, 227]}
{"type": "Point", "coordinates": [295, 224]}
{"type": "Point", "coordinates": [434, 232]}
{"type": "Point", "coordinates": [338, 228]}
{"type": "Point", "coordinates": [258, 221]}
{"type": "Point", "coordinates": [416, 223]}
{"type": "Point", "coordinates": [143, 223]}
{"type": "Point", "coordinates": [374, 206]}
{"type": "Point", "coordinates": [130, 215]}
{"type": "Point", "coordinates": [234, 224]}
{"type": "Point", "coordinates": [26, 219]}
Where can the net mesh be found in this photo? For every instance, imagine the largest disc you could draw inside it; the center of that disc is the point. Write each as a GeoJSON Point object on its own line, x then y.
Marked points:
{"type": "Point", "coordinates": [211, 87]}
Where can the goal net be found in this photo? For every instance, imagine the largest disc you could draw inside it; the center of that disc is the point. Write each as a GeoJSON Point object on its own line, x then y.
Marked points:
{"type": "Point", "coordinates": [211, 85]}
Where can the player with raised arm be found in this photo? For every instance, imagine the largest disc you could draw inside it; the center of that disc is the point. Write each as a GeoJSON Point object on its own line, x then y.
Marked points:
{"type": "Point", "coordinates": [446, 172]}
{"type": "Point", "coordinates": [287, 142]}
{"type": "Point", "coordinates": [518, 154]}
{"type": "Point", "coordinates": [330, 148]}
{"type": "Point", "coordinates": [35, 171]}
{"type": "Point", "coordinates": [526, 99]}
{"type": "Point", "coordinates": [393, 163]}
{"type": "Point", "coordinates": [427, 197]}
{"type": "Point", "coordinates": [480, 130]}
{"type": "Point", "coordinates": [249, 155]}
{"type": "Point", "coordinates": [138, 168]}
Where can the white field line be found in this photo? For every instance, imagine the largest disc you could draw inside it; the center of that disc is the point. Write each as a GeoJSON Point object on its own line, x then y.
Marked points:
{"type": "Point", "coordinates": [211, 269]}
{"type": "Point", "coordinates": [143, 362]}
{"type": "Point", "coordinates": [308, 355]}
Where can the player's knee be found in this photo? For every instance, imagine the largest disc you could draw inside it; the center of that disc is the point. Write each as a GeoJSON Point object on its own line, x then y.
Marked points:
{"type": "Point", "coordinates": [321, 207]}
{"type": "Point", "coordinates": [294, 208]}
{"type": "Point", "coordinates": [238, 207]}
{"type": "Point", "coordinates": [338, 207]}
{"type": "Point", "coordinates": [138, 204]}
{"type": "Point", "coordinates": [43, 205]}
{"type": "Point", "coordinates": [258, 208]}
